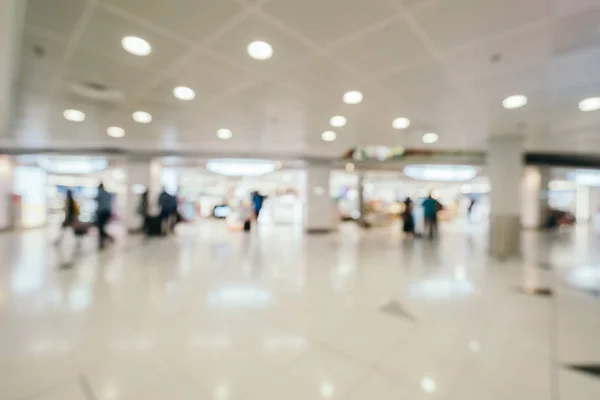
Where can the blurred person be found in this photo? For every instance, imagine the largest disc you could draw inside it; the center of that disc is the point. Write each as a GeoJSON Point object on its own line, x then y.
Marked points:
{"type": "Point", "coordinates": [470, 209]}
{"type": "Point", "coordinates": [257, 203]}
{"type": "Point", "coordinates": [143, 210]}
{"type": "Point", "coordinates": [103, 215]}
{"type": "Point", "coordinates": [168, 209]}
{"type": "Point", "coordinates": [245, 215]}
{"type": "Point", "coordinates": [408, 225]}
{"type": "Point", "coordinates": [71, 217]}
{"type": "Point", "coordinates": [430, 209]}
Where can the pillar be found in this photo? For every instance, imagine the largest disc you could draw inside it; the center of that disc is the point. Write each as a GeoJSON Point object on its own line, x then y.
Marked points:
{"type": "Point", "coordinates": [534, 199]}
{"type": "Point", "coordinates": [360, 190]}
{"type": "Point", "coordinates": [6, 192]}
{"type": "Point", "coordinates": [505, 169]}
{"type": "Point", "coordinates": [586, 206]}
{"type": "Point", "coordinates": [142, 175]}
{"type": "Point", "coordinates": [320, 213]}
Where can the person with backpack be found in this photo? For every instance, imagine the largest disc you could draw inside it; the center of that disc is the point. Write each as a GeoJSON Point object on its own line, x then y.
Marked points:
{"type": "Point", "coordinates": [430, 209]}
{"type": "Point", "coordinates": [103, 215]}
{"type": "Point", "coordinates": [71, 217]}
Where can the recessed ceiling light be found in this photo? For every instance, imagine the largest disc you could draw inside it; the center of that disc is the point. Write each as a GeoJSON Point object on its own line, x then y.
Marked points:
{"type": "Point", "coordinates": [224, 134]}
{"type": "Point", "coordinates": [116, 132]}
{"type": "Point", "coordinates": [142, 117]}
{"type": "Point", "coordinates": [353, 97]}
{"type": "Point", "coordinates": [338, 121]}
{"type": "Point", "coordinates": [515, 101]}
{"type": "Point", "coordinates": [328, 136]}
{"type": "Point", "coordinates": [349, 167]}
{"type": "Point", "coordinates": [401, 123]}
{"type": "Point", "coordinates": [591, 104]}
{"type": "Point", "coordinates": [429, 138]}
{"type": "Point", "coordinates": [136, 46]}
{"type": "Point", "coordinates": [428, 385]}
{"type": "Point", "coordinates": [260, 50]}
{"type": "Point", "coordinates": [184, 93]}
{"type": "Point", "coordinates": [74, 115]}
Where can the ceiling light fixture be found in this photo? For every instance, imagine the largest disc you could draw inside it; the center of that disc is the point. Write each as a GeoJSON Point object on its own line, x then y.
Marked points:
{"type": "Point", "coordinates": [224, 134]}
{"type": "Point", "coordinates": [338, 121]}
{"type": "Point", "coordinates": [260, 50]}
{"type": "Point", "coordinates": [353, 97]}
{"type": "Point", "coordinates": [401, 123]}
{"type": "Point", "coordinates": [591, 104]}
{"type": "Point", "coordinates": [136, 46]}
{"type": "Point", "coordinates": [328, 136]}
{"type": "Point", "coordinates": [184, 93]}
{"type": "Point", "coordinates": [115, 132]}
{"type": "Point", "coordinates": [430, 138]}
{"type": "Point", "coordinates": [515, 101]}
{"type": "Point", "coordinates": [350, 167]}
{"type": "Point", "coordinates": [142, 117]}
{"type": "Point", "coordinates": [74, 115]}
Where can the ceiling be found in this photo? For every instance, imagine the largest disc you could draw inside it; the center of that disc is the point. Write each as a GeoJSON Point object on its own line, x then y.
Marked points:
{"type": "Point", "coordinates": [445, 64]}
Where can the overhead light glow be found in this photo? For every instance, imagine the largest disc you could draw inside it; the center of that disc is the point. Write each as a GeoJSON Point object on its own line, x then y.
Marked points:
{"type": "Point", "coordinates": [350, 167]}
{"type": "Point", "coordinates": [586, 177]}
{"type": "Point", "coordinates": [428, 385]}
{"type": "Point", "coordinates": [515, 101]}
{"type": "Point", "coordinates": [353, 97]}
{"type": "Point", "coordinates": [338, 121]}
{"type": "Point", "coordinates": [440, 173]}
{"type": "Point", "coordinates": [401, 123]}
{"type": "Point", "coordinates": [142, 117]}
{"type": "Point", "coordinates": [72, 165]}
{"type": "Point", "coordinates": [115, 131]}
{"type": "Point", "coordinates": [74, 115]}
{"type": "Point", "coordinates": [240, 167]}
{"type": "Point", "coordinates": [430, 138]}
{"type": "Point", "coordinates": [591, 104]}
{"type": "Point", "coordinates": [328, 136]}
{"type": "Point", "coordinates": [224, 134]}
{"type": "Point", "coordinates": [136, 46]}
{"type": "Point", "coordinates": [260, 50]}
{"type": "Point", "coordinates": [184, 93]}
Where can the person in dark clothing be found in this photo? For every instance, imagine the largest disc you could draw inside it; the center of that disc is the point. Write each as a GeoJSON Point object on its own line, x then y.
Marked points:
{"type": "Point", "coordinates": [143, 209]}
{"type": "Point", "coordinates": [103, 215]}
{"type": "Point", "coordinates": [257, 203]}
{"type": "Point", "coordinates": [430, 209]}
{"type": "Point", "coordinates": [408, 226]}
{"type": "Point", "coordinates": [71, 214]}
{"type": "Point", "coordinates": [168, 210]}
{"type": "Point", "coordinates": [470, 209]}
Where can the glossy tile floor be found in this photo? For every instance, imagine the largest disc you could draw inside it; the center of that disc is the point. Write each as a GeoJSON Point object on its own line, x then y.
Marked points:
{"type": "Point", "coordinates": [211, 314]}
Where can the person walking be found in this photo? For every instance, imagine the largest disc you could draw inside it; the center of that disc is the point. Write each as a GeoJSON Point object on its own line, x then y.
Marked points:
{"type": "Point", "coordinates": [143, 210]}
{"type": "Point", "coordinates": [103, 214]}
{"type": "Point", "coordinates": [430, 209]}
{"type": "Point", "coordinates": [71, 215]}
{"type": "Point", "coordinates": [408, 225]}
{"type": "Point", "coordinates": [257, 203]}
{"type": "Point", "coordinates": [168, 209]}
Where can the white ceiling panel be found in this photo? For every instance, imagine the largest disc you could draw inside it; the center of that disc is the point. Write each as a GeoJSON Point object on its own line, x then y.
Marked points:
{"type": "Point", "coordinates": [397, 45]}
{"type": "Point", "coordinates": [105, 31]}
{"type": "Point", "coordinates": [458, 22]}
{"type": "Point", "coordinates": [56, 16]}
{"type": "Point", "coordinates": [286, 50]}
{"type": "Point", "coordinates": [192, 20]}
{"type": "Point", "coordinates": [326, 21]}
{"type": "Point", "coordinates": [446, 65]}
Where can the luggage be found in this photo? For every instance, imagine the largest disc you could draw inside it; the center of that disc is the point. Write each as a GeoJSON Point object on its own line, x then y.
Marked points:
{"type": "Point", "coordinates": [247, 225]}
{"type": "Point", "coordinates": [154, 226]}
{"type": "Point", "coordinates": [80, 229]}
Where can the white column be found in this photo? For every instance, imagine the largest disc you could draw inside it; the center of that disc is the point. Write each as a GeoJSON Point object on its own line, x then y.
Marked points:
{"type": "Point", "coordinates": [586, 206]}
{"type": "Point", "coordinates": [320, 213]}
{"type": "Point", "coordinates": [6, 192]}
{"type": "Point", "coordinates": [534, 207]}
{"type": "Point", "coordinates": [142, 175]}
{"type": "Point", "coordinates": [12, 17]}
{"type": "Point", "coordinates": [505, 169]}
